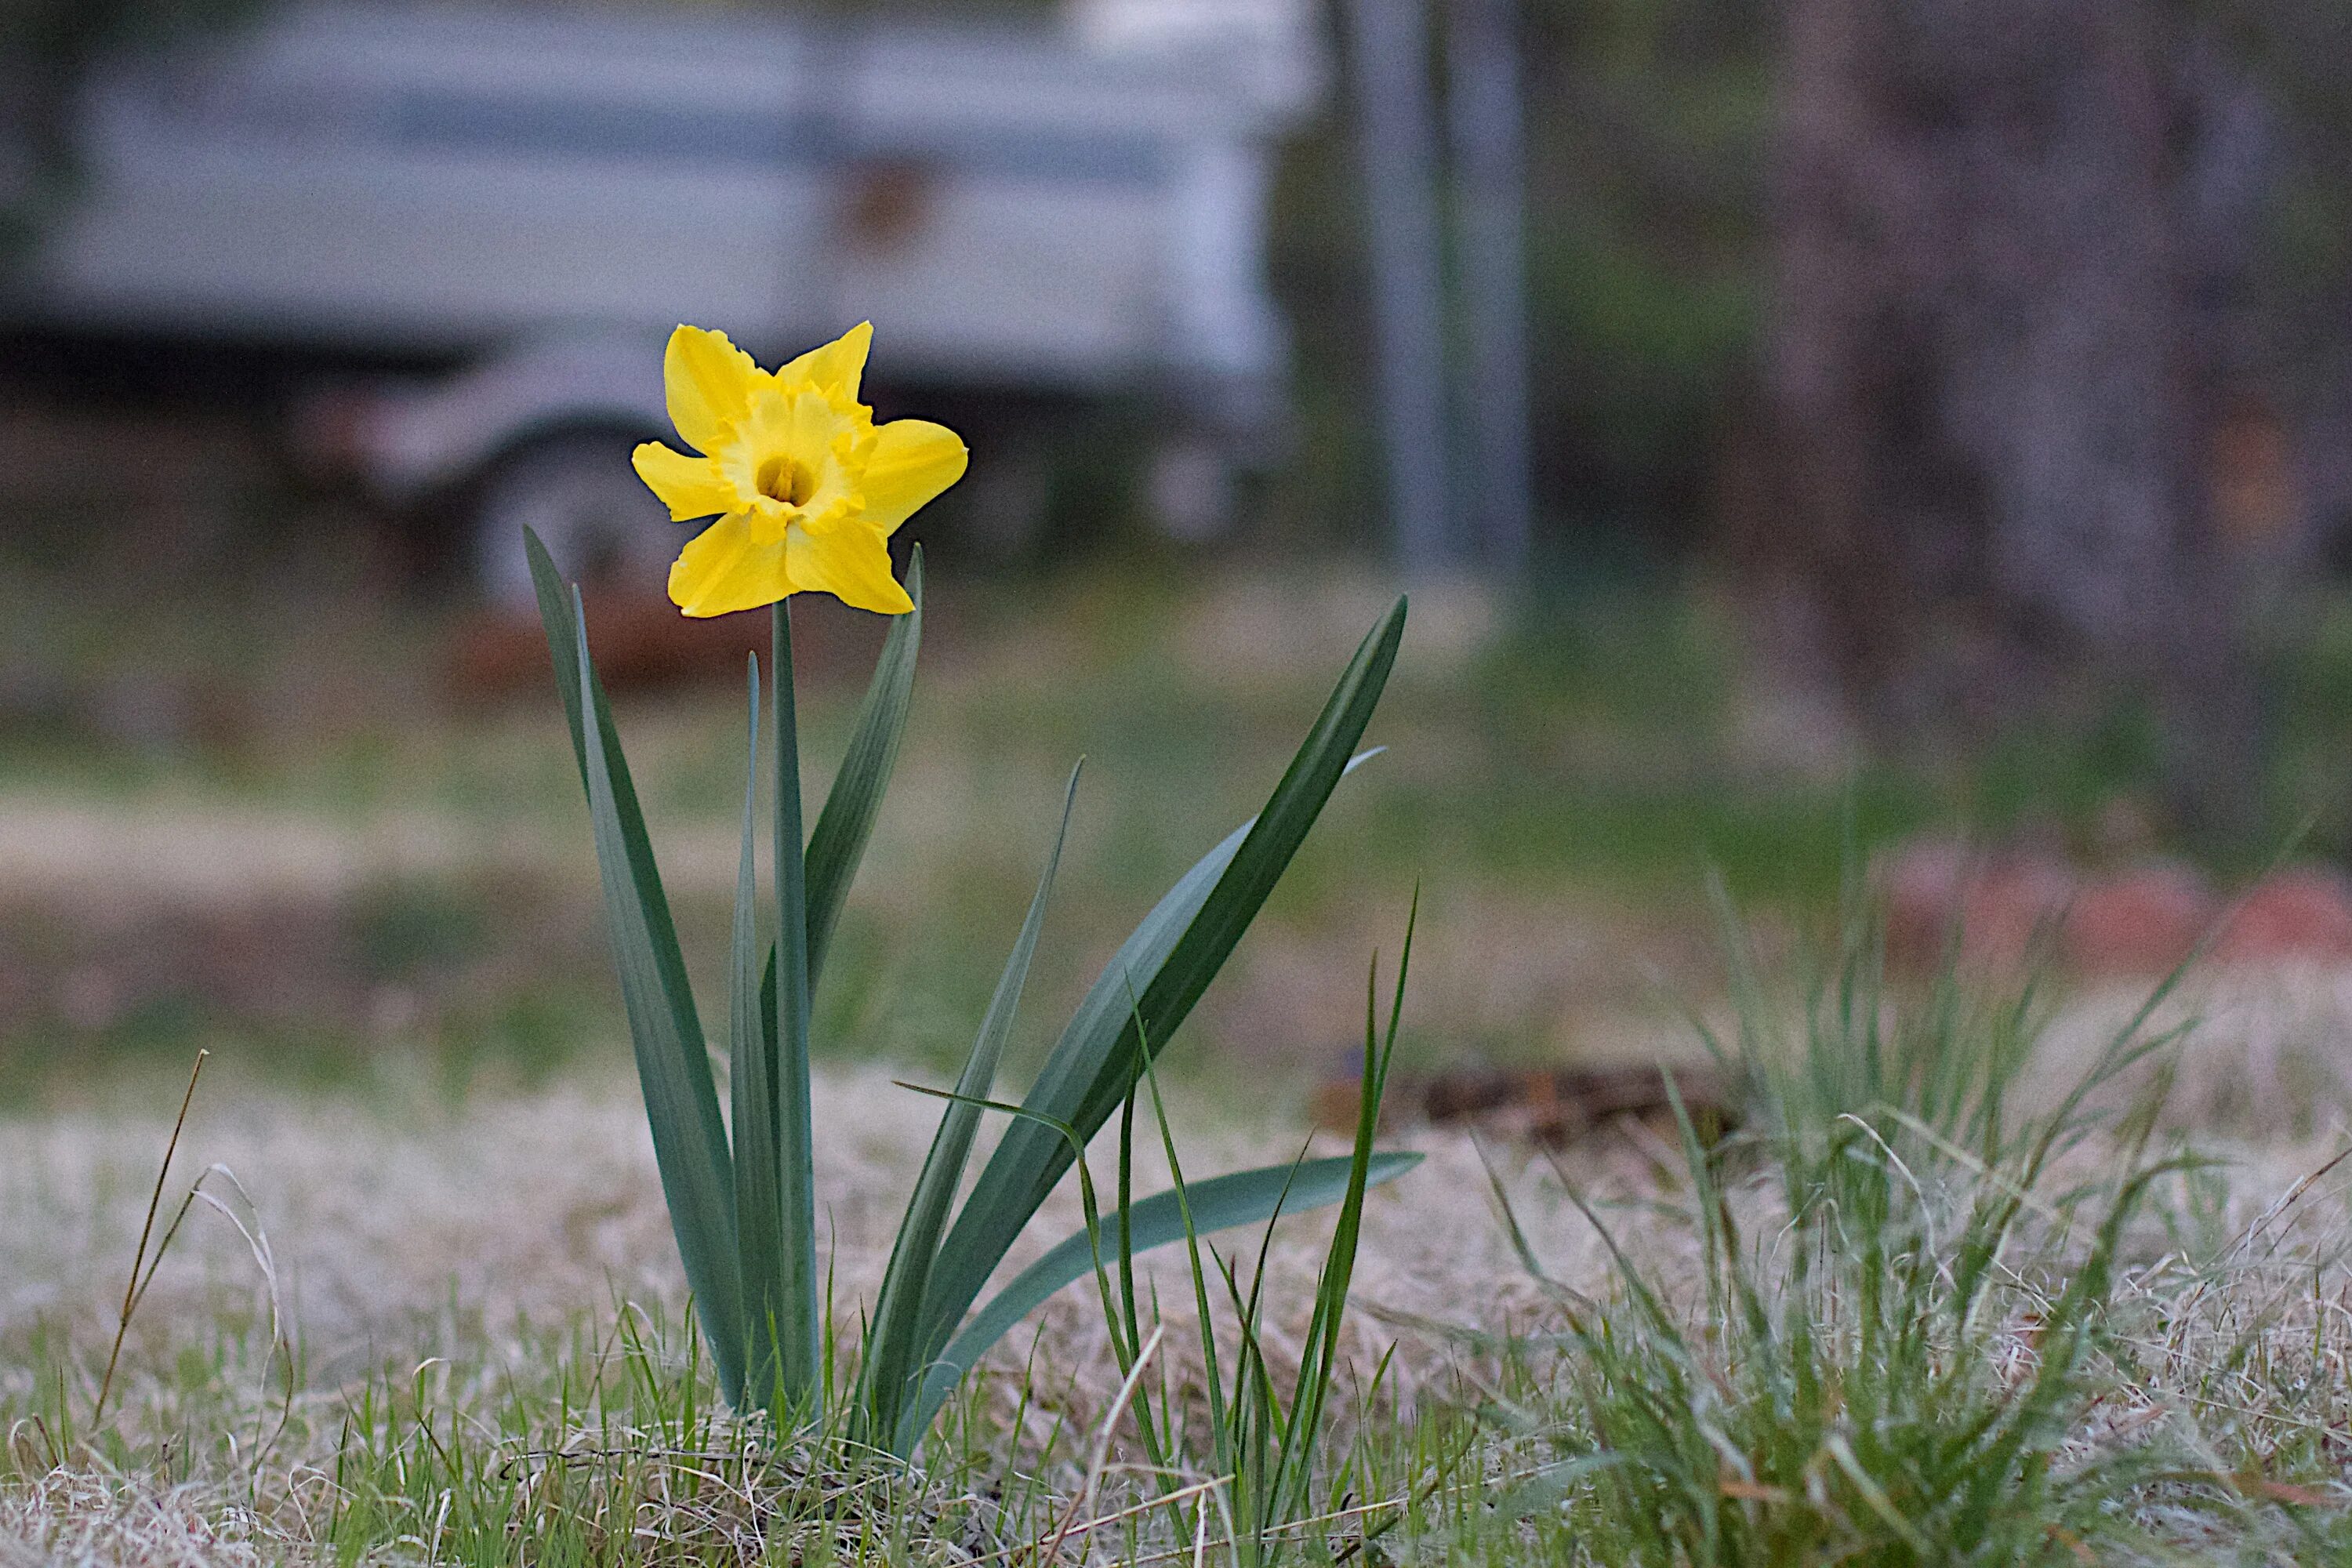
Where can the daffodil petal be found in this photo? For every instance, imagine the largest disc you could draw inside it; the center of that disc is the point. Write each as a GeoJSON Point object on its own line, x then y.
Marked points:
{"type": "Point", "coordinates": [709, 382]}
{"type": "Point", "coordinates": [689, 487]}
{"type": "Point", "coordinates": [913, 461]}
{"type": "Point", "coordinates": [838, 365]}
{"type": "Point", "coordinates": [851, 563]}
{"type": "Point", "coordinates": [733, 564]}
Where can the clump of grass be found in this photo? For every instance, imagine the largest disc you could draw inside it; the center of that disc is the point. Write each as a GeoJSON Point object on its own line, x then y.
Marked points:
{"type": "Point", "coordinates": [626, 1456]}
{"type": "Point", "coordinates": [61, 1431]}
{"type": "Point", "coordinates": [1239, 1463]}
{"type": "Point", "coordinates": [1904, 1315]}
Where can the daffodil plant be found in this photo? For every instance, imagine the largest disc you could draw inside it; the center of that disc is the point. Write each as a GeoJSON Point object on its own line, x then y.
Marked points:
{"type": "Point", "coordinates": [807, 490]}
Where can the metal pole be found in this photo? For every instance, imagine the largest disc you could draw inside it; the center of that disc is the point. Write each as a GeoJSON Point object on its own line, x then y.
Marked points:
{"type": "Point", "coordinates": [1397, 145]}
{"type": "Point", "coordinates": [1483, 102]}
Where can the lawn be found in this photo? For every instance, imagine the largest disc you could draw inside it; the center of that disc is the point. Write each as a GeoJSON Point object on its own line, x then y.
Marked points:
{"type": "Point", "coordinates": [1919, 1305]}
{"type": "Point", "coordinates": [1916, 1309]}
{"type": "Point", "coordinates": [252, 776]}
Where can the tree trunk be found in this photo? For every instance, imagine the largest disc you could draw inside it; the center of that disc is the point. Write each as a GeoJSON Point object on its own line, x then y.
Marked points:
{"type": "Point", "coordinates": [2009, 236]}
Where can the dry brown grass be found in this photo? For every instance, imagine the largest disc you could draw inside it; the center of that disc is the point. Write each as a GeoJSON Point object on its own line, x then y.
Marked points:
{"type": "Point", "coordinates": [403, 1232]}
{"type": "Point", "coordinates": [404, 1229]}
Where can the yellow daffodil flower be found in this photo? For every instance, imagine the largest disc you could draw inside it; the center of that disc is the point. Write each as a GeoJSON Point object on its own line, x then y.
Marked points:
{"type": "Point", "coordinates": [806, 488]}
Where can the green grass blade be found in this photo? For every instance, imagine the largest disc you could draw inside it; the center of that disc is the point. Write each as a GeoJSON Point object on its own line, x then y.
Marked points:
{"type": "Point", "coordinates": [1149, 987]}
{"type": "Point", "coordinates": [801, 1289]}
{"type": "Point", "coordinates": [1245, 1197]}
{"type": "Point", "coordinates": [751, 1055]}
{"type": "Point", "coordinates": [672, 1066]}
{"type": "Point", "coordinates": [889, 1371]}
{"type": "Point", "coordinates": [838, 841]}
{"type": "Point", "coordinates": [953, 1289]}
{"type": "Point", "coordinates": [1210, 1377]}
{"type": "Point", "coordinates": [1295, 1465]}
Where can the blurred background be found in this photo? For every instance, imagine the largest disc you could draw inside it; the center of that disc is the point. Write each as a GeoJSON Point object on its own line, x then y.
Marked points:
{"type": "Point", "coordinates": [1812, 430]}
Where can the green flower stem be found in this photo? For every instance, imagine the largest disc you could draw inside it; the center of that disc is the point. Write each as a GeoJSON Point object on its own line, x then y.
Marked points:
{"type": "Point", "coordinates": [796, 1328]}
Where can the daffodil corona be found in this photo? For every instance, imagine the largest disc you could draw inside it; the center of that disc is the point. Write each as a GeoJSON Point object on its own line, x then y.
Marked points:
{"type": "Point", "coordinates": [806, 488]}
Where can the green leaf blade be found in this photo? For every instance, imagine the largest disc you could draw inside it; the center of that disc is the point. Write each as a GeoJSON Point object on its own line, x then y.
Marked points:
{"type": "Point", "coordinates": [1170, 958]}
{"type": "Point", "coordinates": [1245, 1197]}
{"type": "Point", "coordinates": [665, 1031]}
{"type": "Point", "coordinates": [798, 1353]}
{"type": "Point", "coordinates": [891, 1341]}
{"type": "Point", "coordinates": [751, 1084]}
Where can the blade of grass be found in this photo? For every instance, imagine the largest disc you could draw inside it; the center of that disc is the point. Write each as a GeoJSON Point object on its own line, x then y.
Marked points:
{"type": "Point", "coordinates": [1296, 1461]}
{"type": "Point", "coordinates": [1245, 1197]}
{"type": "Point", "coordinates": [133, 1289]}
{"type": "Point", "coordinates": [1211, 1378]}
{"type": "Point", "coordinates": [1127, 1317]}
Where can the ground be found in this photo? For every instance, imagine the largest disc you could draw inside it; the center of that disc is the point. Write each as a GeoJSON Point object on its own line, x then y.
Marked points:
{"type": "Point", "coordinates": [468, 1255]}
{"type": "Point", "coordinates": [353, 865]}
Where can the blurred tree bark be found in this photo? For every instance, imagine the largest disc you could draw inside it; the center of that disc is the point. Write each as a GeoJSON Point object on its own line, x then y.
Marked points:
{"type": "Point", "coordinates": [2012, 240]}
{"type": "Point", "coordinates": [2298, 49]}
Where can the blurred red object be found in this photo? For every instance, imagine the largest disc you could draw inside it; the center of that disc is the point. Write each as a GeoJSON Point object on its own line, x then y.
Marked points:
{"type": "Point", "coordinates": [2303, 914]}
{"type": "Point", "coordinates": [2143, 921]}
{"type": "Point", "coordinates": [1939, 892]}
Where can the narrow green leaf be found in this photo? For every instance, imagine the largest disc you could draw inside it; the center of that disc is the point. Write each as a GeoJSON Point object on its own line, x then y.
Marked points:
{"type": "Point", "coordinates": [672, 1066]}
{"type": "Point", "coordinates": [562, 648]}
{"type": "Point", "coordinates": [1149, 987]}
{"type": "Point", "coordinates": [578, 685]}
{"type": "Point", "coordinates": [890, 1341]}
{"type": "Point", "coordinates": [801, 1286]}
{"type": "Point", "coordinates": [1295, 1465]}
{"type": "Point", "coordinates": [837, 843]}
{"type": "Point", "coordinates": [751, 1083]}
{"type": "Point", "coordinates": [1212, 1379]}
{"type": "Point", "coordinates": [1245, 1197]}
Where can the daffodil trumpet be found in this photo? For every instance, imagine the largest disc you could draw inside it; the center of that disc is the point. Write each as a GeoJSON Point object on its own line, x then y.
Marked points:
{"type": "Point", "coordinates": [807, 490]}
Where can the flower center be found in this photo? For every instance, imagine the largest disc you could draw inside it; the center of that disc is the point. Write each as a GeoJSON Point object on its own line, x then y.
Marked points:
{"type": "Point", "coordinates": [785, 478]}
